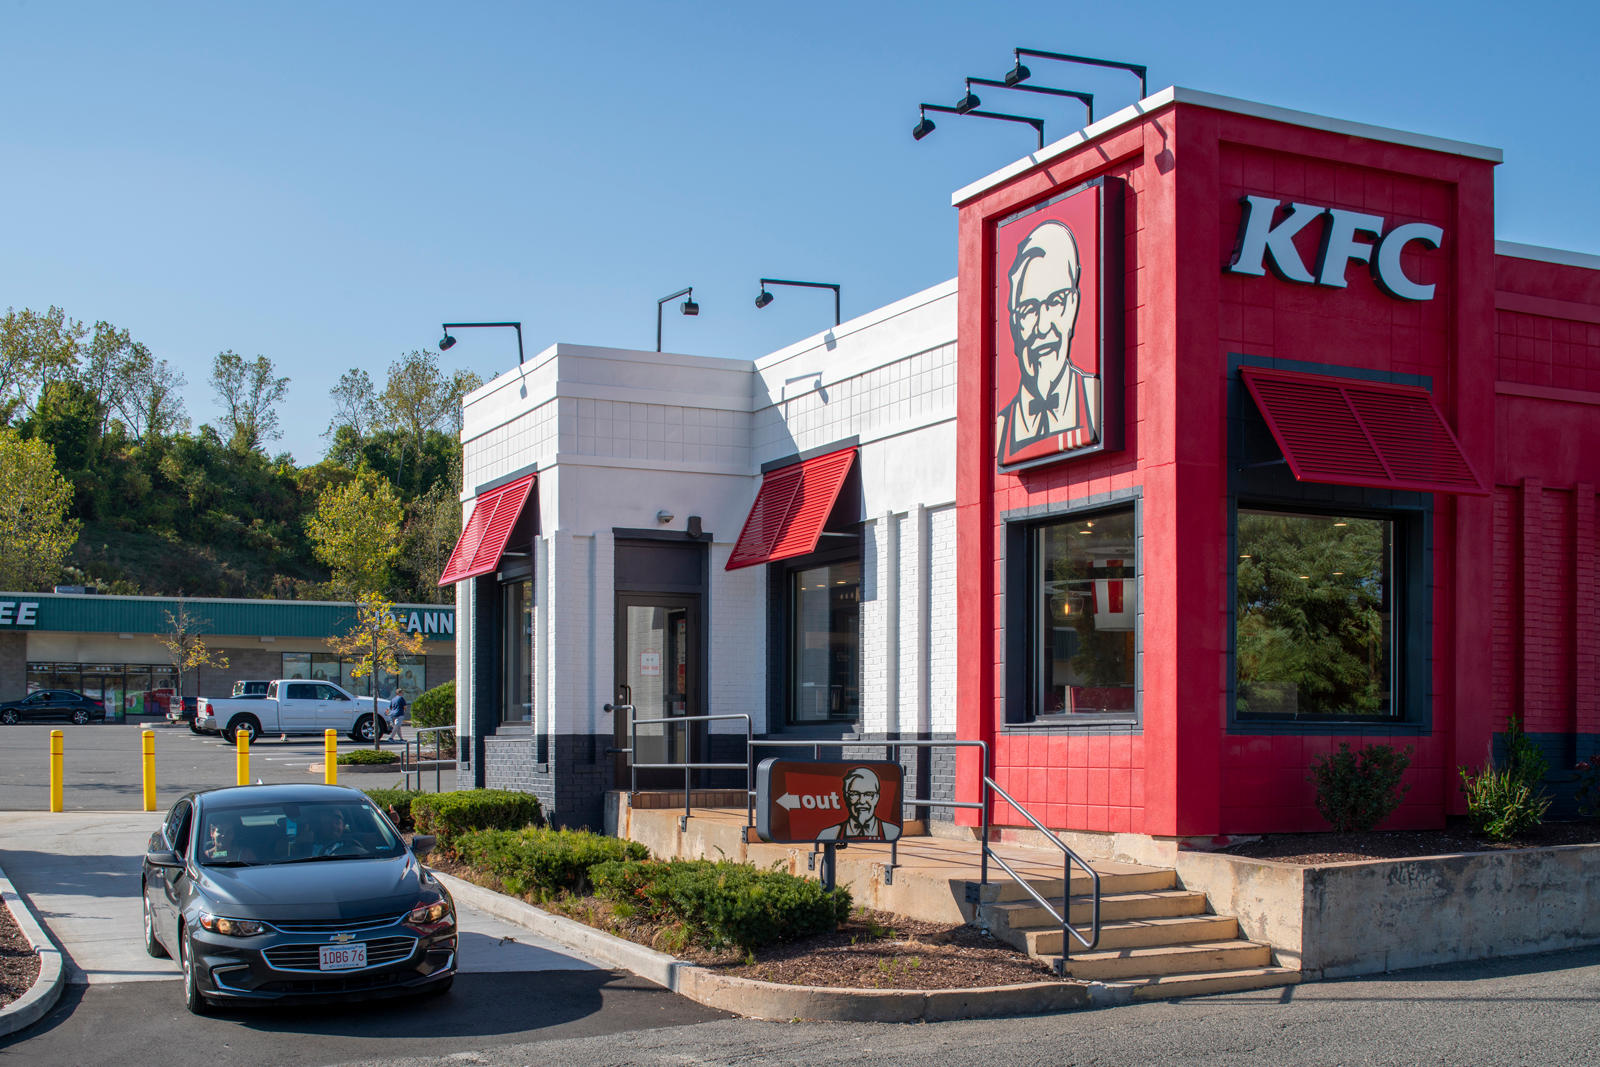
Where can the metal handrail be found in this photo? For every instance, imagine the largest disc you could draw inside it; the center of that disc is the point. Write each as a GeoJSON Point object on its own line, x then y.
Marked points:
{"type": "Point", "coordinates": [413, 760]}
{"type": "Point", "coordinates": [688, 767]}
{"type": "Point", "coordinates": [991, 788]}
{"type": "Point", "coordinates": [1069, 857]}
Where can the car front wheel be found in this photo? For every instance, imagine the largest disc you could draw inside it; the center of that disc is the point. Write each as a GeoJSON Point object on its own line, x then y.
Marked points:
{"type": "Point", "coordinates": [152, 944]}
{"type": "Point", "coordinates": [193, 999]}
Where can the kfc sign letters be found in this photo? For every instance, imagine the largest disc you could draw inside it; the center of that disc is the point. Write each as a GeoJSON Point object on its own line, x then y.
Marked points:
{"type": "Point", "coordinates": [802, 801]}
{"type": "Point", "coordinates": [1260, 240]}
{"type": "Point", "coordinates": [1057, 317]}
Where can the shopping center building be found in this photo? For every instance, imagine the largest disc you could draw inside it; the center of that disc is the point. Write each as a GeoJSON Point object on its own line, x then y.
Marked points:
{"type": "Point", "coordinates": [110, 647]}
{"type": "Point", "coordinates": [1237, 437]}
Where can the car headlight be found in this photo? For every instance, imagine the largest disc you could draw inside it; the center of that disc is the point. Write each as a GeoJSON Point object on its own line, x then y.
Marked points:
{"type": "Point", "coordinates": [423, 914]}
{"type": "Point", "coordinates": [216, 924]}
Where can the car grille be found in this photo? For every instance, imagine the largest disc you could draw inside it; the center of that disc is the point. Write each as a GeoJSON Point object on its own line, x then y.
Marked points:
{"type": "Point", "coordinates": [305, 957]}
{"type": "Point", "coordinates": [319, 926]}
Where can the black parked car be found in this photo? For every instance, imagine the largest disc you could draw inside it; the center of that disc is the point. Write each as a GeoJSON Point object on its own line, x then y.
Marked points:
{"type": "Point", "coordinates": [53, 705]}
{"type": "Point", "coordinates": [297, 893]}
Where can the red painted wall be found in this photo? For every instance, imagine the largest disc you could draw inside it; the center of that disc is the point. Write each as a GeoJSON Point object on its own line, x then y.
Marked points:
{"type": "Point", "coordinates": [1512, 349]}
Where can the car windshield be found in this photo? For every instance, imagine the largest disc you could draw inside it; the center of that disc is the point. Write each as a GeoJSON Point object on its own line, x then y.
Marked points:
{"type": "Point", "coordinates": [250, 835]}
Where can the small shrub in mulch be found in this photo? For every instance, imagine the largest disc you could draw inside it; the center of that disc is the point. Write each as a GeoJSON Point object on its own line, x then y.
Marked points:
{"type": "Point", "coordinates": [451, 814]}
{"type": "Point", "coordinates": [366, 757]}
{"type": "Point", "coordinates": [720, 903]}
{"type": "Point", "coordinates": [539, 862]}
{"type": "Point", "coordinates": [397, 802]}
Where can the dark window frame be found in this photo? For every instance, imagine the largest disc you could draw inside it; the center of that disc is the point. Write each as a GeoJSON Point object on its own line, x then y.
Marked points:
{"type": "Point", "coordinates": [1022, 640]}
{"type": "Point", "coordinates": [781, 638]}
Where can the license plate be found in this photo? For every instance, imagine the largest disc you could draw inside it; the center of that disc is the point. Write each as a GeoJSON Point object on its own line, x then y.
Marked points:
{"type": "Point", "coordinates": [343, 957]}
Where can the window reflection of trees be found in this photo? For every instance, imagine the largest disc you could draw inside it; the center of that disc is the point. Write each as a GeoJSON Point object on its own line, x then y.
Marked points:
{"type": "Point", "coordinates": [1313, 615]}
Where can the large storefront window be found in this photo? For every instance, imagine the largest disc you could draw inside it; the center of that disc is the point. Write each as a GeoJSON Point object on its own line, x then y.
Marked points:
{"type": "Point", "coordinates": [516, 699]}
{"type": "Point", "coordinates": [1084, 605]}
{"type": "Point", "coordinates": [411, 680]}
{"type": "Point", "coordinates": [1314, 623]}
{"type": "Point", "coordinates": [825, 650]}
{"type": "Point", "coordinates": [120, 685]}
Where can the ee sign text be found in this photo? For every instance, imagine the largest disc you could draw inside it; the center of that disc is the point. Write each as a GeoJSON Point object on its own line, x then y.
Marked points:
{"type": "Point", "coordinates": [1265, 239]}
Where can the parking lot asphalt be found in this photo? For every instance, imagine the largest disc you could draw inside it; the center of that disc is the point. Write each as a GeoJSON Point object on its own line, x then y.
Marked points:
{"type": "Point", "coordinates": [102, 768]}
{"type": "Point", "coordinates": [79, 871]}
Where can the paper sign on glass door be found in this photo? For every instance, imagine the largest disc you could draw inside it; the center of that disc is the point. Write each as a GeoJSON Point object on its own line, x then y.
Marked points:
{"type": "Point", "coordinates": [650, 664]}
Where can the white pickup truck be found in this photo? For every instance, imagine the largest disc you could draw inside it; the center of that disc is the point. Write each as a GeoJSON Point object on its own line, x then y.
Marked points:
{"type": "Point", "coordinates": [293, 706]}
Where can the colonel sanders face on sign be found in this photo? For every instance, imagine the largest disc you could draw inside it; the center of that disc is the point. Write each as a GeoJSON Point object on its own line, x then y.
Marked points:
{"type": "Point", "coordinates": [1056, 405]}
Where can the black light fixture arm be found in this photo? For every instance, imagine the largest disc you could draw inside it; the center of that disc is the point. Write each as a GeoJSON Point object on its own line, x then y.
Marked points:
{"type": "Point", "coordinates": [1086, 98]}
{"type": "Point", "coordinates": [689, 308]}
{"type": "Point", "coordinates": [447, 340]}
{"type": "Point", "coordinates": [806, 285]}
{"type": "Point", "coordinates": [1133, 68]}
{"type": "Point", "coordinates": [1037, 124]}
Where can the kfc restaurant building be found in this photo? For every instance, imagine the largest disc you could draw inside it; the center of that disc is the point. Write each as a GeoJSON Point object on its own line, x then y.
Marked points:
{"type": "Point", "coordinates": [1238, 438]}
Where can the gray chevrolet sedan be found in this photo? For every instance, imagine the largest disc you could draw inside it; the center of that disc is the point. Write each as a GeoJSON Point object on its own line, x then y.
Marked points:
{"type": "Point", "coordinates": [294, 892]}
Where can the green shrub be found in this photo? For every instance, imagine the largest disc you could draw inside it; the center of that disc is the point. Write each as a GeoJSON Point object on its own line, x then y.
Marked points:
{"type": "Point", "coordinates": [397, 802]}
{"type": "Point", "coordinates": [437, 707]}
{"type": "Point", "coordinates": [366, 756]}
{"type": "Point", "coordinates": [542, 861]}
{"type": "Point", "coordinates": [1500, 805]}
{"type": "Point", "coordinates": [1524, 759]}
{"type": "Point", "coordinates": [723, 903]}
{"type": "Point", "coordinates": [1589, 787]}
{"type": "Point", "coordinates": [451, 814]}
{"type": "Point", "coordinates": [1357, 790]}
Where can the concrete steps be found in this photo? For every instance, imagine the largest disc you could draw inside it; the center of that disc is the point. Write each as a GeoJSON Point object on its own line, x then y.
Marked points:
{"type": "Point", "coordinates": [1162, 940]}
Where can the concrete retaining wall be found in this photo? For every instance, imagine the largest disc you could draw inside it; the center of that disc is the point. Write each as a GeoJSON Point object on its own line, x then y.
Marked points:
{"type": "Point", "coordinates": [1345, 919]}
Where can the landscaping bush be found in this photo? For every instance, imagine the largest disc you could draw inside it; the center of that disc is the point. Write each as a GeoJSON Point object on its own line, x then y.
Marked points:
{"type": "Point", "coordinates": [1524, 760]}
{"type": "Point", "coordinates": [366, 756]}
{"type": "Point", "coordinates": [541, 861]}
{"type": "Point", "coordinates": [723, 903]}
{"type": "Point", "coordinates": [1357, 790]}
{"type": "Point", "coordinates": [437, 707]}
{"type": "Point", "coordinates": [451, 814]}
{"type": "Point", "coordinates": [1500, 805]}
{"type": "Point", "coordinates": [397, 802]}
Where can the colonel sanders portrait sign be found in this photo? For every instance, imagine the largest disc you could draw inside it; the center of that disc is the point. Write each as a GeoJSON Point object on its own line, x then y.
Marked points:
{"type": "Point", "coordinates": [1057, 318]}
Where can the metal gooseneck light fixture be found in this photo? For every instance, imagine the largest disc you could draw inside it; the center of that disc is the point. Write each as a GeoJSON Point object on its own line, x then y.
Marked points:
{"type": "Point", "coordinates": [926, 126]}
{"type": "Point", "coordinates": [1019, 73]}
{"type": "Point", "coordinates": [447, 342]}
{"type": "Point", "coordinates": [764, 298]}
{"type": "Point", "coordinates": [689, 307]}
{"type": "Point", "coordinates": [970, 101]}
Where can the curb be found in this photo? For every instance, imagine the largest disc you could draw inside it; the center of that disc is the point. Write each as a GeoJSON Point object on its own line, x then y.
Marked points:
{"type": "Point", "coordinates": [32, 1005]}
{"type": "Point", "coordinates": [769, 1000]}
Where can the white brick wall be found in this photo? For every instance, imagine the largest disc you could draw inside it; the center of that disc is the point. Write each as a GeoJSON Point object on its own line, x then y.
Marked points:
{"type": "Point", "coordinates": [942, 619]}
{"type": "Point", "coordinates": [876, 641]}
{"type": "Point", "coordinates": [737, 630]}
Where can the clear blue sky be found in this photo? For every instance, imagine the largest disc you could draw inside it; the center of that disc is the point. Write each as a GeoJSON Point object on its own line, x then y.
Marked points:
{"type": "Point", "coordinates": [326, 183]}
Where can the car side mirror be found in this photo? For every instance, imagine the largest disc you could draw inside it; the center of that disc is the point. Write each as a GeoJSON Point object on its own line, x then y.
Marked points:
{"type": "Point", "coordinates": [423, 844]}
{"type": "Point", "coordinates": [164, 858]}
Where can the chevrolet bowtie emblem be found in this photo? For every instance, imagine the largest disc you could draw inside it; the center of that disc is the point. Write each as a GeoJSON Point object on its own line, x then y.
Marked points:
{"type": "Point", "coordinates": [342, 938]}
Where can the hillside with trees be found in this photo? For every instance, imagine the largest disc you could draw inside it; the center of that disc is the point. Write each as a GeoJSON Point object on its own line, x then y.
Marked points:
{"type": "Point", "coordinates": [142, 503]}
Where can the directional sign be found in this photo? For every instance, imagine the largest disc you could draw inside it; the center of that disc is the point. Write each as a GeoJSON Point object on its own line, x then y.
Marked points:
{"type": "Point", "coordinates": [804, 801]}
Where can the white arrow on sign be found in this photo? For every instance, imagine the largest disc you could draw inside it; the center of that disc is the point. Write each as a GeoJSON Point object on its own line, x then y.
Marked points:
{"type": "Point", "coordinates": [788, 801]}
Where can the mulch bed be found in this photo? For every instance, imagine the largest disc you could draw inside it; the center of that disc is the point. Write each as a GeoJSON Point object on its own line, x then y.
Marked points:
{"type": "Point", "coordinates": [1311, 849]}
{"type": "Point", "coordinates": [19, 963]}
{"type": "Point", "coordinates": [873, 950]}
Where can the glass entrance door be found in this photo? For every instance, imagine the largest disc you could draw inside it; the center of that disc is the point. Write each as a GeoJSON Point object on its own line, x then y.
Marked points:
{"type": "Point", "coordinates": [657, 671]}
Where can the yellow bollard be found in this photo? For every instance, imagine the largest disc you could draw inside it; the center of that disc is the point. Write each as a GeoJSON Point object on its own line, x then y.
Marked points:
{"type": "Point", "coordinates": [149, 742]}
{"type": "Point", "coordinates": [242, 740]}
{"type": "Point", "coordinates": [57, 747]}
{"type": "Point", "coordinates": [330, 757]}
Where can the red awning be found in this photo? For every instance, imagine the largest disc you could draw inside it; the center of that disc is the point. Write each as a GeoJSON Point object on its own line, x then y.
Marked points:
{"type": "Point", "coordinates": [790, 510]}
{"type": "Point", "coordinates": [1348, 432]}
{"type": "Point", "coordinates": [493, 516]}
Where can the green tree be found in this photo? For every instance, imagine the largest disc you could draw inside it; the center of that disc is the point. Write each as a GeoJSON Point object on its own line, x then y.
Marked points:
{"type": "Point", "coordinates": [35, 532]}
{"type": "Point", "coordinates": [356, 532]}
{"type": "Point", "coordinates": [376, 642]}
{"type": "Point", "coordinates": [419, 397]}
{"type": "Point", "coordinates": [34, 348]}
{"type": "Point", "coordinates": [355, 405]}
{"type": "Point", "coordinates": [249, 392]}
{"type": "Point", "coordinates": [147, 397]}
{"type": "Point", "coordinates": [433, 525]}
{"type": "Point", "coordinates": [185, 646]}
